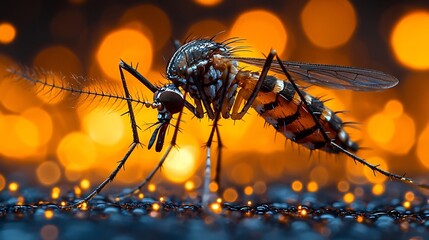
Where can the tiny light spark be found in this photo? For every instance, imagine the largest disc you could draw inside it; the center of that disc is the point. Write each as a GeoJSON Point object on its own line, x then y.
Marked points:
{"type": "Point", "coordinates": [85, 184]}
{"type": "Point", "coordinates": [55, 193]}
{"type": "Point", "coordinates": [216, 208]}
{"type": "Point", "coordinates": [151, 187]}
{"type": "Point", "coordinates": [156, 206]}
{"type": "Point", "coordinates": [141, 195]}
{"type": "Point", "coordinates": [49, 214]}
{"type": "Point", "coordinates": [406, 204]}
{"type": "Point", "coordinates": [13, 186]}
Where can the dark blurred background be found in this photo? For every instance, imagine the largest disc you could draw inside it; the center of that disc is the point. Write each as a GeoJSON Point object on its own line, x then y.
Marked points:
{"type": "Point", "coordinates": [55, 141]}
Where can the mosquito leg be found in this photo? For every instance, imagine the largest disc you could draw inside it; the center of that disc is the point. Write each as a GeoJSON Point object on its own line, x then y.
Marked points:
{"type": "Point", "coordinates": [206, 190]}
{"type": "Point", "coordinates": [374, 168]}
{"type": "Point", "coordinates": [161, 161]}
{"type": "Point", "coordinates": [135, 142]}
{"type": "Point", "coordinates": [219, 160]}
{"type": "Point", "coordinates": [258, 86]}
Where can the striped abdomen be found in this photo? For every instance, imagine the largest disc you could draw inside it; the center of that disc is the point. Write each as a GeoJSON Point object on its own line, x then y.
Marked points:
{"type": "Point", "coordinates": [279, 104]}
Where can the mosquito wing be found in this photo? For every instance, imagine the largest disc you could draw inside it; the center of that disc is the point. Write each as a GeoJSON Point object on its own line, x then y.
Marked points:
{"type": "Point", "coordinates": [337, 77]}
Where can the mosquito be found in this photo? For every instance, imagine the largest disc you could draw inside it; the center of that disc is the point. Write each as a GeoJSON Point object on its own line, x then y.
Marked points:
{"type": "Point", "coordinates": [218, 86]}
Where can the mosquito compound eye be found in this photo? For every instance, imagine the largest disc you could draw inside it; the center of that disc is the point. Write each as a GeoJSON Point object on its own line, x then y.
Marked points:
{"type": "Point", "coordinates": [172, 101]}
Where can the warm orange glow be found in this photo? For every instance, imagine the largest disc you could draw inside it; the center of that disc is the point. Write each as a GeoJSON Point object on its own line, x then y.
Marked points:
{"type": "Point", "coordinates": [76, 151]}
{"type": "Point", "coordinates": [48, 173]}
{"type": "Point", "coordinates": [20, 201]}
{"type": "Point", "coordinates": [49, 214]}
{"type": "Point", "coordinates": [329, 24]}
{"type": "Point", "coordinates": [312, 186]}
{"type": "Point", "coordinates": [77, 191]}
{"type": "Point", "coordinates": [43, 121]}
{"type": "Point", "coordinates": [72, 175]}
{"type": "Point", "coordinates": [213, 187]}
{"type": "Point", "coordinates": [189, 185]}
{"type": "Point", "coordinates": [152, 21]}
{"type": "Point", "coordinates": [242, 173]}
{"type": "Point", "coordinates": [207, 28]}
{"type": "Point", "coordinates": [422, 147]}
{"type": "Point", "coordinates": [7, 33]}
{"type": "Point", "coordinates": [261, 31]}
{"type": "Point", "coordinates": [359, 192]}
{"type": "Point", "coordinates": [141, 196]}
{"type": "Point", "coordinates": [156, 206]}
{"type": "Point", "coordinates": [355, 173]}
{"type": "Point", "coordinates": [369, 174]}
{"type": "Point", "coordinates": [60, 59]}
{"type": "Point", "coordinates": [10, 91]}
{"type": "Point", "coordinates": [302, 211]}
{"type": "Point", "coordinates": [216, 208]}
{"type": "Point", "coordinates": [259, 187]}
{"type": "Point", "coordinates": [320, 175]}
{"type": "Point", "coordinates": [208, 3]}
{"type": "Point", "coordinates": [348, 197]}
{"type": "Point", "coordinates": [230, 195]}
{"type": "Point", "coordinates": [181, 163]}
{"type": "Point", "coordinates": [85, 184]}
{"type": "Point", "coordinates": [84, 206]}
{"type": "Point", "coordinates": [55, 194]}
{"type": "Point", "coordinates": [387, 129]}
{"type": "Point", "coordinates": [296, 186]}
{"type": "Point", "coordinates": [2, 182]}
{"type": "Point", "coordinates": [406, 204]}
{"type": "Point", "coordinates": [381, 128]}
{"type": "Point", "coordinates": [343, 186]}
{"type": "Point", "coordinates": [409, 40]}
{"type": "Point", "coordinates": [105, 128]}
{"type": "Point", "coordinates": [49, 232]}
{"type": "Point", "coordinates": [378, 189]}
{"type": "Point", "coordinates": [248, 190]}
{"type": "Point", "coordinates": [151, 187]}
{"type": "Point", "coordinates": [22, 137]}
{"type": "Point", "coordinates": [359, 219]}
{"type": "Point", "coordinates": [219, 200]}
{"type": "Point", "coordinates": [13, 186]}
{"type": "Point", "coordinates": [394, 108]}
{"type": "Point", "coordinates": [130, 45]}
{"type": "Point", "coordinates": [409, 196]}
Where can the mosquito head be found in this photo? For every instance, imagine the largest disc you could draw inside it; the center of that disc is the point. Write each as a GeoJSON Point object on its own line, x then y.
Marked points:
{"type": "Point", "coordinates": [168, 100]}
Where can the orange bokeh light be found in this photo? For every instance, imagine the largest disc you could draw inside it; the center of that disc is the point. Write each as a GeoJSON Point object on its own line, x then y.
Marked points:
{"type": "Point", "coordinates": [105, 128]}
{"type": "Point", "coordinates": [130, 45]}
{"type": "Point", "coordinates": [2, 182]}
{"type": "Point", "coordinates": [58, 58]}
{"type": "Point", "coordinates": [207, 28]}
{"type": "Point", "coordinates": [152, 21]}
{"type": "Point", "coordinates": [409, 40]}
{"type": "Point", "coordinates": [7, 33]}
{"type": "Point", "coordinates": [208, 3]}
{"type": "Point", "coordinates": [387, 129]}
{"type": "Point", "coordinates": [261, 30]}
{"type": "Point", "coordinates": [48, 173]}
{"type": "Point", "coordinates": [230, 195]}
{"type": "Point", "coordinates": [76, 151]}
{"type": "Point", "coordinates": [422, 147]}
{"type": "Point", "coordinates": [43, 121]}
{"type": "Point", "coordinates": [22, 137]}
{"type": "Point", "coordinates": [328, 24]}
{"type": "Point", "coordinates": [181, 163]}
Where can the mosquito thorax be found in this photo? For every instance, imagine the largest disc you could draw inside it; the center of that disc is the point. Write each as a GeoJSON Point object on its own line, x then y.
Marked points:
{"type": "Point", "coordinates": [191, 56]}
{"type": "Point", "coordinates": [169, 100]}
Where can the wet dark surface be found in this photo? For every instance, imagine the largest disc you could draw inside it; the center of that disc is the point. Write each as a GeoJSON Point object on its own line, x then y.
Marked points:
{"type": "Point", "coordinates": [289, 215]}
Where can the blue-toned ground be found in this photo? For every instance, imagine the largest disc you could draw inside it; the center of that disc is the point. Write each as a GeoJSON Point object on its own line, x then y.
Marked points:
{"type": "Point", "coordinates": [289, 215]}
